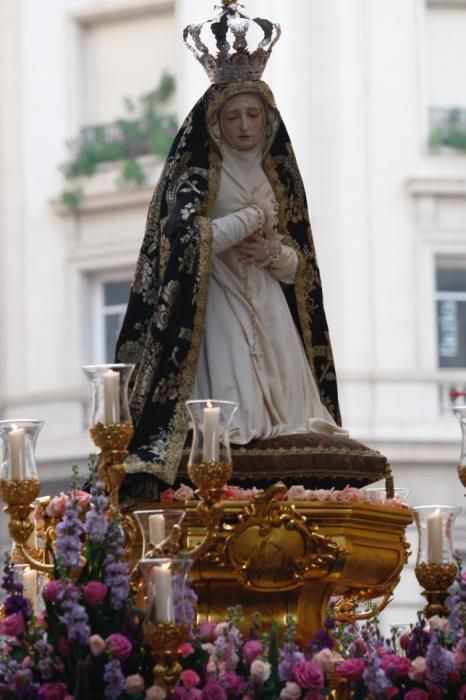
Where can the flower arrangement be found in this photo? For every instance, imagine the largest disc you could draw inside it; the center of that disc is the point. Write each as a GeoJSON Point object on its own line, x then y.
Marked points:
{"type": "Point", "coordinates": [86, 643]}
{"type": "Point", "coordinates": [297, 492]}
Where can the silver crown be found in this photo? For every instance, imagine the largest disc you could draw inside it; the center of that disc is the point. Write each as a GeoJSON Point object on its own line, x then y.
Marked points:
{"type": "Point", "coordinates": [237, 61]}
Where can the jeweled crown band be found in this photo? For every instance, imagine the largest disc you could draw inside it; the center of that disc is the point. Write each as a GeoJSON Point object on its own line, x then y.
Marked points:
{"type": "Point", "coordinates": [234, 61]}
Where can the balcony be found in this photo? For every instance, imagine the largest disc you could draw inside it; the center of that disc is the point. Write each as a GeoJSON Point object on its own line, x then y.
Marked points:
{"type": "Point", "coordinates": [447, 128]}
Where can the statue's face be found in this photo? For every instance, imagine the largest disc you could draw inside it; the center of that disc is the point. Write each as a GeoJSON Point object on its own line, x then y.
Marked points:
{"type": "Point", "coordinates": [242, 121]}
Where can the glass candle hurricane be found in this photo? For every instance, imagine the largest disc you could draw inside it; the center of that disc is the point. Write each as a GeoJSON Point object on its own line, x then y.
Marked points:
{"type": "Point", "coordinates": [460, 413]}
{"type": "Point", "coordinates": [435, 530]}
{"type": "Point", "coordinates": [17, 449]}
{"type": "Point", "coordinates": [211, 422]}
{"type": "Point", "coordinates": [109, 389]}
{"type": "Point", "coordinates": [167, 598]}
{"type": "Point", "coordinates": [159, 528]}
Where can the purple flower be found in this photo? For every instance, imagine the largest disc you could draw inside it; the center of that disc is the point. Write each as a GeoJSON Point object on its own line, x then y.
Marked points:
{"type": "Point", "coordinates": [320, 640]}
{"type": "Point", "coordinates": [115, 682]}
{"type": "Point", "coordinates": [375, 679]}
{"type": "Point", "coordinates": [418, 643]}
{"type": "Point", "coordinates": [395, 666]}
{"type": "Point", "coordinates": [96, 523]}
{"type": "Point", "coordinates": [69, 531]}
{"type": "Point", "coordinates": [439, 663]}
{"type": "Point", "coordinates": [116, 569]}
{"type": "Point", "coordinates": [289, 657]}
{"type": "Point", "coordinates": [74, 617]}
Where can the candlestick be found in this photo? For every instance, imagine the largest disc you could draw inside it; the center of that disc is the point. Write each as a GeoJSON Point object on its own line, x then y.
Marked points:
{"type": "Point", "coordinates": [29, 577]}
{"type": "Point", "coordinates": [32, 539]}
{"type": "Point", "coordinates": [211, 422]}
{"type": "Point", "coordinates": [435, 538]}
{"type": "Point", "coordinates": [156, 529]}
{"type": "Point", "coordinates": [17, 454]}
{"type": "Point", "coordinates": [163, 593]}
{"type": "Point", "coordinates": [111, 396]}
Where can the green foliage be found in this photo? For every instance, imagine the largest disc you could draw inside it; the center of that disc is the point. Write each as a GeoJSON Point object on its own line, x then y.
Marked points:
{"type": "Point", "coordinates": [71, 199]}
{"type": "Point", "coordinates": [143, 131]}
{"type": "Point", "coordinates": [133, 172]}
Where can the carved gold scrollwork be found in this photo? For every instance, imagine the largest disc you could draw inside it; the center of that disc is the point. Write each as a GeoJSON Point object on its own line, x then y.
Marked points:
{"type": "Point", "coordinates": [273, 548]}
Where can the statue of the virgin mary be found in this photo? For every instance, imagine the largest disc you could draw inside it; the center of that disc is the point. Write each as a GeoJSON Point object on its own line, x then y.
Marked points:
{"type": "Point", "coordinates": [226, 301]}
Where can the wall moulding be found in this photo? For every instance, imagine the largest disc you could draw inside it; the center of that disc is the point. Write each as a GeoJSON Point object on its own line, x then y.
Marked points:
{"type": "Point", "coordinates": [446, 3]}
{"type": "Point", "coordinates": [121, 10]}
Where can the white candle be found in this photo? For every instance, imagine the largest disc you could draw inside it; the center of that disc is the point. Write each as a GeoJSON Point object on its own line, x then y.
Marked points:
{"type": "Point", "coordinates": [435, 538]}
{"type": "Point", "coordinates": [211, 422]}
{"type": "Point", "coordinates": [156, 528]}
{"type": "Point", "coordinates": [17, 454]}
{"type": "Point", "coordinates": [111, 396]}
{"type": "Point", "coordinates": [163, 591]}
{"type": "Point", "coordinates": [29, 577]}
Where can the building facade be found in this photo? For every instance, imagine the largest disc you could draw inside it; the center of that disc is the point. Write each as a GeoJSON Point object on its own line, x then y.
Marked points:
{"type": "Point", "coordinates": [373, 96]}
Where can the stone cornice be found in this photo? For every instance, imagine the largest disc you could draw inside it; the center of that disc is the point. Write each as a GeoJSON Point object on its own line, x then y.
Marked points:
{"type": "Point", "coordinates": [121, 9]}
{"type": "Point", "coordinates": [437, 186]}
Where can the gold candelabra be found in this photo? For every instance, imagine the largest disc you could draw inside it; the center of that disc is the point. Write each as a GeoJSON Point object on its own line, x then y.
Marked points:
{"type": "Point", "coordinates": [436, 579]}
{"type": "Point", "coordinates": [164, 640]}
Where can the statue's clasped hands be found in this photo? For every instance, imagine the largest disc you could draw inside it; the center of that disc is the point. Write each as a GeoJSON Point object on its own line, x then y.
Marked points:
{"type": "Point", "coordinates": [262, 247]}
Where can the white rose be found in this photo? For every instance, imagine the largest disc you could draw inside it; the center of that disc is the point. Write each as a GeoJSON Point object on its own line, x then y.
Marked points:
{"type": "Point", "coordinates": [439, 624]}
{"type": "Point", "coordinates": [260, 671]}
{"type": "Point", "coordinates": [291, 691]}
{"type": "Point", "coordinates": [155, 692]}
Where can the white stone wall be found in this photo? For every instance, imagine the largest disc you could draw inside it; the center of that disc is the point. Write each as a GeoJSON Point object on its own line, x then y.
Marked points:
{"type": "Point", "coordinates": [354, 82]}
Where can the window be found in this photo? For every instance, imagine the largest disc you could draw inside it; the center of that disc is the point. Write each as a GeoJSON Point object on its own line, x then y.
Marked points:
{"type": "Point", "coordinates": [111, 296]}
{"type": "Point", "coordinates": [451, 315]}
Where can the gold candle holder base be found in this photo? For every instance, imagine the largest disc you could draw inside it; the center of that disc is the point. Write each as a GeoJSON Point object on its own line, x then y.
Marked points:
{"type": "Point", "coordinates": [462, 474]}
{"type": "Point", "coordinates": [436, 579]}
{"type": "Point", "coordinates": [112, 439]}
{"type": "Point", "coordinates": [164, 640]}
{"type": "Point", "coordinates": [210, 478]}
{"type": "Point", "coordinates": [19, 494]}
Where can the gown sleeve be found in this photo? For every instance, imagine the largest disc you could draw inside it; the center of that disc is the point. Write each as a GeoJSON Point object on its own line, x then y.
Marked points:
{"type": "Point", "coordinates": [230, 230]}
{"type": "Point", "coordinates": [284, 269]}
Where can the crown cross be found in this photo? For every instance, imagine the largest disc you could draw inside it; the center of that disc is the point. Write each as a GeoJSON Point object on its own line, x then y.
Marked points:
{"type": "Point", "coordinates": [234, 59]}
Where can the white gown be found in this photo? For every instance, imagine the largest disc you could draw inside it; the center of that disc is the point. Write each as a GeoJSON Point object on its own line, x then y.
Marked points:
{"type": "Point", "coordinates": [251, 351]}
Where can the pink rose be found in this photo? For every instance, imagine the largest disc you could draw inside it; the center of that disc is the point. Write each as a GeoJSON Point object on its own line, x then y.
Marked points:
{"type": "Point", "coordinates": [194, 694]}
{"type": "Point", "coordinates": [418, 669]}
{"type": "Point", "coordinates": [56, 507]}
{"type": "Point", "coordinates": [291, 691]}
{"type": "Point", "coordinates": [207, 630]}
{"type": "Point", "coordinates": [351, 669]}
{"type": "Point", "coordinates": [184, 493]}
{"type": "Point", "coordinates": [416, 694]}
{"type": "Point", "coordinates": [435, 693]}
{"type": "Point", "coordinates": [260, 671]}
{"type": "Point", "coordinates": [297, 492]}
{"type": "Point", "coordinates": [52, 590]}
{"type": "Point", "coordinates": [26, 662]}
{"type": "Point", "coordinates": [83, 498]}
{"type": "Point", "coordinates": [213, 691]}
{"type": "Point", "coordinates": [462, 692]}
{"type": "Point", "coordinates": [13, 625]}
{"type": "Point", "coordinates": [231, 493]}
{"type": "Point", "coordinates": [308, 675]}
{"type": "Point", "coordinates": [94, 592]}
{"type": "Point", "coordinates": [96, 645]}
{"type": "Point", "coordinates": [119, 645]}
{"type": "Point", "coordinates": [185, 649]}
{"type": "Point", "coordinates": [395, 666]}
{"type": "Point", "coordinates": [405, 639]}
{"type": "Point", "coordinates": [179, 693]}
{"type": "Point", "coordinates": [189, 678]}
{"type": "Point", "coordinates": [251, 650]}
{"type": "Point", "coordinates": [167, 496]}
{"type": "Point", "coordinates": [52, 691]}
{"type": "Point", "coordinates": [233, 683]}
{"type": "Point", "coordinates": [134, 684]}
{"type": "Point", "coordinates": [326, 660]}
